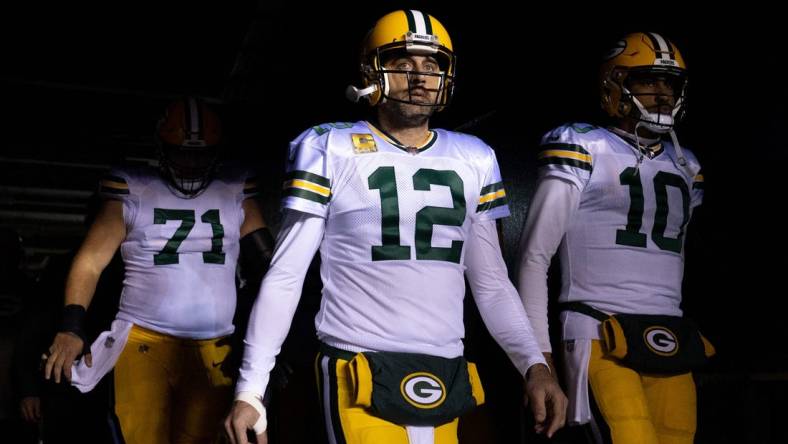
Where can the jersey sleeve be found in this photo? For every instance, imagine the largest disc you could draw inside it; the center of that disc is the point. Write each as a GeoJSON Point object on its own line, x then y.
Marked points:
{"type": "Point", "coordinates": [248, 186]}
{"type": "Point", "coordinates": [493, 203]}
{"type": "Point", "coordinates": [497, 300]}
{"type": "Point", "coordinates": [119, 184]}
{"type": "Point", "coordinates": [307, 185]}
{"type": "Point", "coordinates": [696, 193]}
{"type": "Point", "coordinates": [115, 185]}
{"type": "Point", "coordinates": [251, 186]}
{"type": "Point", "coordinates": [697, 190]}
{"type": "Point", "coordinates": [565, 155]}
{"type": "Point", "coordinates": [694, 176]}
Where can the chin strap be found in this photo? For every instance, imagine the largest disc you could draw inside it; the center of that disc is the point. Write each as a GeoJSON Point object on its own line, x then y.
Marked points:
{"type": "Point", "coordinates": [679, 153]}
{"type": "Point", "coordinates": [683, 164]}
{"type": "Point", "coordinates": [634, 137]}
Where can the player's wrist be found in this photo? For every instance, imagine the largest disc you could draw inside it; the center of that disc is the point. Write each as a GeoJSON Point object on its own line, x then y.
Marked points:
{"type": "Point", "coordinates": [256, 402]}
{"type": "Point", "coordinates": [73, 322]}
{"type": "Point", "coordinates": [536, 371]}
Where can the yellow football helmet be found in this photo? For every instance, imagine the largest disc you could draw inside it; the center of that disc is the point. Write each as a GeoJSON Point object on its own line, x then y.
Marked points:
{"type": "Point", "coordinates": [413, 32]}
{"type": "Point", "coordinates": [642, 53]}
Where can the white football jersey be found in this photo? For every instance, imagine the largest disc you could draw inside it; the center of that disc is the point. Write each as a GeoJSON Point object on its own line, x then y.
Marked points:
{"type": "Point", "coordinates": [623, 249]}
{"type": "Point", "coordinates": [180, 254]}
{"type": "Point", "coordinates": [396, 224]}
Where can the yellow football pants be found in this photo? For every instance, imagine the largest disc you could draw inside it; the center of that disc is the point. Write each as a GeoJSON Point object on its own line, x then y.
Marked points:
{"type": "Point", "coordinates": [171, 390]}
{"type": "Point", "coordinates": [639, 408]}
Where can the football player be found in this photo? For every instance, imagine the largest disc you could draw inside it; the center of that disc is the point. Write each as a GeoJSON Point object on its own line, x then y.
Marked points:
{"type": "Point", "coordinates": [615, 201]}
{"type": "Point", "coordinates": [400, 214]}
{"type": "Point", "coordinates": [180, 229]}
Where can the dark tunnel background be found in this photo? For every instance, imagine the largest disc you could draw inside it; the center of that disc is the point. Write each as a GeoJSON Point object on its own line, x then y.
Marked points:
{"type": "Point", "coordinates": [82, 88]}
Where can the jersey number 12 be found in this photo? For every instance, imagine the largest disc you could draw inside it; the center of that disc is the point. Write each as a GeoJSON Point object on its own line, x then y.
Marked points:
{"type": "Point", "coordinates": [384, 180]}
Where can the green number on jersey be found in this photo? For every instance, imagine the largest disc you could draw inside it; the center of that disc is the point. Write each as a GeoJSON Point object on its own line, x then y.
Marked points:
{"type": "Point", "coordinates": [215, 256]}
{"type": "Point", "coordinates": [632, 236]}
{"type": "Point", "coordinates": [169, 254]}
{"type": "Point", "coordinates": [429, 216]}
{"type": "Point", "coordinates": [384, 179]}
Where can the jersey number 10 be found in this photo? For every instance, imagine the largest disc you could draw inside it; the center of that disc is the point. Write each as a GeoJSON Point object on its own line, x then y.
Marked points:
{"type": "Point", "coordinates": [632, 236]}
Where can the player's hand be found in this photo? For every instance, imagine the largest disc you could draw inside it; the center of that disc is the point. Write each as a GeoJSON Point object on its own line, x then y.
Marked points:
{"type": "Point", "coordinates": [242, 418]}
{"type": "Point", "coordinates": [30, 408]}
{"type": "Point", "coordinates": [62, 353]}
{"type": "Point", "coordinates": [547, 400]}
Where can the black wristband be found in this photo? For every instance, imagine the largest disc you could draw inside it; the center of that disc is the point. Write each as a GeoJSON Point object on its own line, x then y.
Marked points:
{"type": "Point", "coordinates": [74, 322]}
{"type": "Point", "coordinates": [257, 249]}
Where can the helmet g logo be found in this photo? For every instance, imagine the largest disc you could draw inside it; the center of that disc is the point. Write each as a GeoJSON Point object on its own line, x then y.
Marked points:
{"type": "Point", "coordinates": [423, 390]}
{"type": "Point", "coordinates": [661, 341]}
{"type": "Point", "coordinates": [616, 50]}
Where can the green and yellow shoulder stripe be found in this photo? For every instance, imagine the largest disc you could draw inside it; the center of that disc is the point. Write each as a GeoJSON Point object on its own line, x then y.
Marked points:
{"type": "Point", "coordinates": [491, 196]}
{"type": "Point", "coordinates": [112, 185]}
{"type": "Point", "coordinates": [306, 185]}
{"type": "Point", "coordinates": [697, 182]}
{"type": "Point", "coordinates": [251, 187]}
{"type": "Point", "coordinates": [565, 154]}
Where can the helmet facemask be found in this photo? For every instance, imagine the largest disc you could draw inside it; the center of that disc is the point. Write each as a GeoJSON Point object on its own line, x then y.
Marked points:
{"type": "Point", "coordinates": [189, 137]}
{"type": "Point", "coordinates": [657, 121]}
{"type": "Point", "coordinates": [438, 84]}
{"type": "Point", "coordinates": [188, 170]}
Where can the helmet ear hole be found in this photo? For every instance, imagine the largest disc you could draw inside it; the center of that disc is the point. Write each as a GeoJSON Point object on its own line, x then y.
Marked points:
{"type": "Point", "coordinates": [610, 97]}
{"type": "Point", "coordinates": [372, 77]}
{"type": "Point", "coordinates": [605, 92]}
{"type": "Point", "coordinates": [367, 73]}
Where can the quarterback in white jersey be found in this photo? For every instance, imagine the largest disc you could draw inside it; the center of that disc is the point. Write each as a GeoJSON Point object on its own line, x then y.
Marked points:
{"type": "Point", "coordinates": [180, 230]}
{"type": "Point", "coordinates": [615, 203]}
{"type": "Point", "coordinates": [396, 226]}
{"type": "Point", "coordinates": [400, 214]}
